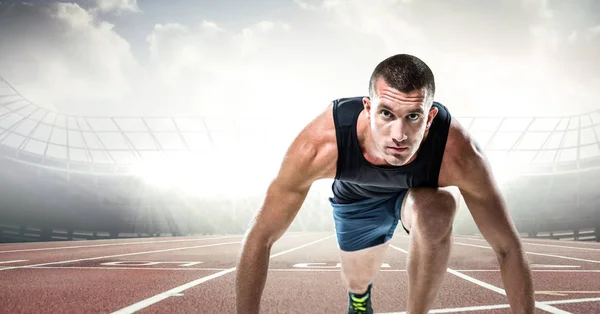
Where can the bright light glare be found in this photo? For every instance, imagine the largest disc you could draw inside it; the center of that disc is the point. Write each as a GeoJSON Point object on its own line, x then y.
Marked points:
{"type": "Point", "coordinates": [507, 168]}
{"type": "Point", "coordinates": [206, 174]}
{"type": "Point", "coordinates": [191, 174]}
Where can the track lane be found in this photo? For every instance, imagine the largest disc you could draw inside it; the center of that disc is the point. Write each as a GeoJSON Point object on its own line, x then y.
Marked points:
{"type": "Point", "coordinates": [557, 287]}
{"type": "Point", "coordinates": [584, 305]}
{"type": "Point", "coordinates": [572, 283]}
{"type": "Point", "coordinates": [315, 287]}
{"type": "Point", "coordinates": [457, 258]}
{"type": "Point", "coordinates": [224, 257]}
{"type": "Point", "coordinates": [76, 244]}
{"type": "Point", "coordinates": [526, 240]}
{"type": "Point", "coordinates": [101, 243]}
{"type": "Point", "coordinates": [83, 285]}
{"type": "Point", "coordinates": [556, 247]}
{"type": "Point", "coordinates": [85, 288]}
{"type": "Point", "coordinates": [589, 260]}
{"type": "Point", "coordinates": [43, 258]}
{"type": "Point", "coordinates": [477, 259]}
{"type": "Point", "coordinates": [162, 303]}
{"type": "Point", "coordinates": [67, 243]}
{"type": "Point", "coordinates": [54, 257]}
{"type": "Point", "coordinates": [218, 296]}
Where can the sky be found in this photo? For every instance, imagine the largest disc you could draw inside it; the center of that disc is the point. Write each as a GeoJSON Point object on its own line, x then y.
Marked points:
{"type": "Point", "coordinates": [281, 62]}
{"type": "Point", "coordinates": [285, 59]}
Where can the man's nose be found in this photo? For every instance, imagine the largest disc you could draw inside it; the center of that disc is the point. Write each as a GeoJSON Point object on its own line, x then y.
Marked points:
{"type": "Point", "coordinates": [398, 133]}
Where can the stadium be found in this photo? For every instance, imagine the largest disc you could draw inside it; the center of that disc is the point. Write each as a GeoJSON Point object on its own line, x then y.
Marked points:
{"type": "Point", "coordinates": [71, 179]}
{"type": "Point", "coordinates": [138, 141]}
{"type": "Point", "coordinates": [107, 177]}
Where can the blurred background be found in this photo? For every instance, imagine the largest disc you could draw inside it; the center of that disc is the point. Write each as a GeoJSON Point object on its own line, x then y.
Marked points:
{"type": "Point", "coordinates": [125, 118]}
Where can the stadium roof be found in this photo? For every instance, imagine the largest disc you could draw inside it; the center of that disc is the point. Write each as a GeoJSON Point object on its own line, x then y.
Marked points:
{"type": "Point", "coordinates": [49, 138]}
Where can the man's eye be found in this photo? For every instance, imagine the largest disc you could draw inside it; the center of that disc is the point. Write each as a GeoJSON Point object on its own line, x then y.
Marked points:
{"type": "Point", "coordinates": [413, 116]}
{"type": "Point", "coordinates": [385, 113]}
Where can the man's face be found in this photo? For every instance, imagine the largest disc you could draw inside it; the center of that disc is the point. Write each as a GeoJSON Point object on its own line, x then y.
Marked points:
{"type": "Point", "coordinates": [398, 122]}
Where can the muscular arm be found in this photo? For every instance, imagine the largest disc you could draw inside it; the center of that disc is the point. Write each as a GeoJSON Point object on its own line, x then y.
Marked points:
{"type": "Point", "coordinates": [309, 158]}
{"type": "Point", "coordinates": [274, 217]}
{"type": "Point", "coordinates": [487, 206]}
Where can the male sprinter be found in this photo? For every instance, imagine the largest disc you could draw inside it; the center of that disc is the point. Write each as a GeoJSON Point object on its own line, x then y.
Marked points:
{"type": "Point", "coordinates": [394, 155]}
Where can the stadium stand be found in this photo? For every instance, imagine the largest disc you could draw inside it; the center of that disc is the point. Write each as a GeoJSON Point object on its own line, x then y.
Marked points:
{"type": "Point", "coordinates": [71, 177]}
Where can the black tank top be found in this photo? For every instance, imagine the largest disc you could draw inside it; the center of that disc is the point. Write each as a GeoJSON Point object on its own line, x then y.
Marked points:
{"type": "Point", "coordinates": [357, 179]}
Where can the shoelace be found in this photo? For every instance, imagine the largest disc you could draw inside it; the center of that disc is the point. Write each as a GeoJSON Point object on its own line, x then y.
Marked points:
{"type": "Point", "coordinates": [360, 304]}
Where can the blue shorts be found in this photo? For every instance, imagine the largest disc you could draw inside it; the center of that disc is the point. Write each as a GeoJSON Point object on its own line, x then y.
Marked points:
{"type": "Point", "coordinates": [368, 222]}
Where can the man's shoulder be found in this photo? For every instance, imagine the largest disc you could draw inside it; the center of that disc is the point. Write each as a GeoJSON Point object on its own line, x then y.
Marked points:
{"type": "Point", "coordinates": [316, 144]}
{"type": "Point", "coordinates": [461, 151]}
{"type": "Point", "coordinates": [458, 138]}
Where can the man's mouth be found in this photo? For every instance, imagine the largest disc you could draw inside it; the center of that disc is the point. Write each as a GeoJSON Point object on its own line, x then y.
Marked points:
{"type": "Point", "coordinates": [398, 149]}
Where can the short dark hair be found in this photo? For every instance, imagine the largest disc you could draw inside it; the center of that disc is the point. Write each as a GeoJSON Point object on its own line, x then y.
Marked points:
{"type": "Point", "coordinates": [404, 72]}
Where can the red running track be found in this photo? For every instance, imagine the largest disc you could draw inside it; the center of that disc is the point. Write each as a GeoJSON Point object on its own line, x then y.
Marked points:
{"type": "Point", "coordinates": [197, 275]}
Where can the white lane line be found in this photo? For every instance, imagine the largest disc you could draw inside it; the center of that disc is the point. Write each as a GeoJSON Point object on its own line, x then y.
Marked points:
{"type": "Point", "coordinates": [486, 285]}
{"type": "Point", "coordinates": [573, 301]}
{"type": "Point", "coordinates": [177, 290]}
{"type": "Point", "coordinates": [538, 240]}
{"type": "Point", "coordinates": [501, 306]}
{"type": "Point", "coordinates": [566, 270]}
{"type": "Point", "coordinates": [564, 247]}
{"type": "Point", "coordinates": [564, 293]}
{"type": "Point", "coordinates": [15, 261]}
{"type": "Point", "coordinates": [460, 270]}
{"type": "Point", "coordinates": [134, 243]}
{"type": "Point", "coordinates": [114, 244]}
{"type": "Point", "coordinates": [539, 270]}
{"type": "Point", "coordinates": [463, 309]}
{"type": "Point", "coordinates": [323, 270]}
{"type": "Point", "coordinates": [477, 282]}
{"type": "Point", "coordinates": [119, 255]}
{"type": "Point", "coordinates": [399, 249]}
{"type": "Point", "coordinates": [533, 253]}
{"type": "Point", "coordinates": [565, 242]}
{"type": "Point", "coordinates": [291, 269]}
{"type": "Point", "coordinates": [299, 247]}
{"type": "Point", "coordinates": [554, 246]}
{"type": "Point", "coordinates": [124, 268]}
{"type": "Point", "coordinates": [554, 266]}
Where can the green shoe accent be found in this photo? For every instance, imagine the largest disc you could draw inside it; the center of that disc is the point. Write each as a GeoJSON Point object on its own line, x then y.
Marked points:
{"type": "Point", "coordinates": [360, 304]}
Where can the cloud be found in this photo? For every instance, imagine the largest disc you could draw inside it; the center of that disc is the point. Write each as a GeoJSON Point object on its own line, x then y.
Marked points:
{"type": "Point", "coordinates": [541, 7]}
{"type": "Point", "coordinates": [117, 7]}
{"type": "Point", "coordinates": [66, 58]}
{"type": "Point", "coordinates": [488, 59]}
{"type": "Point", "coordinates": [441, 25]}
{"type": "Point", "coordinates": [61, 54]}
{"type": "Point", "coordinates": [201, 64]}
{"type": "Point", "coordinates": [502, 58]}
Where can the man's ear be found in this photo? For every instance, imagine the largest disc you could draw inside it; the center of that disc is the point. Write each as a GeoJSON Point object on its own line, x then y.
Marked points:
{"type": "Point", "coordinates": [367, 104]}
{"type": "Point", "coordinates": [433, 111]}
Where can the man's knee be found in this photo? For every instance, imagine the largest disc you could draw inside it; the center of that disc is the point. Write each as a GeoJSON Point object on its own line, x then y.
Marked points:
{"type": "Point", "coordinates": [356, 283]}
{"type": "Point", "coordinates": [359, 268]}
{"type": "Point", "coordinates": [433, 211]}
